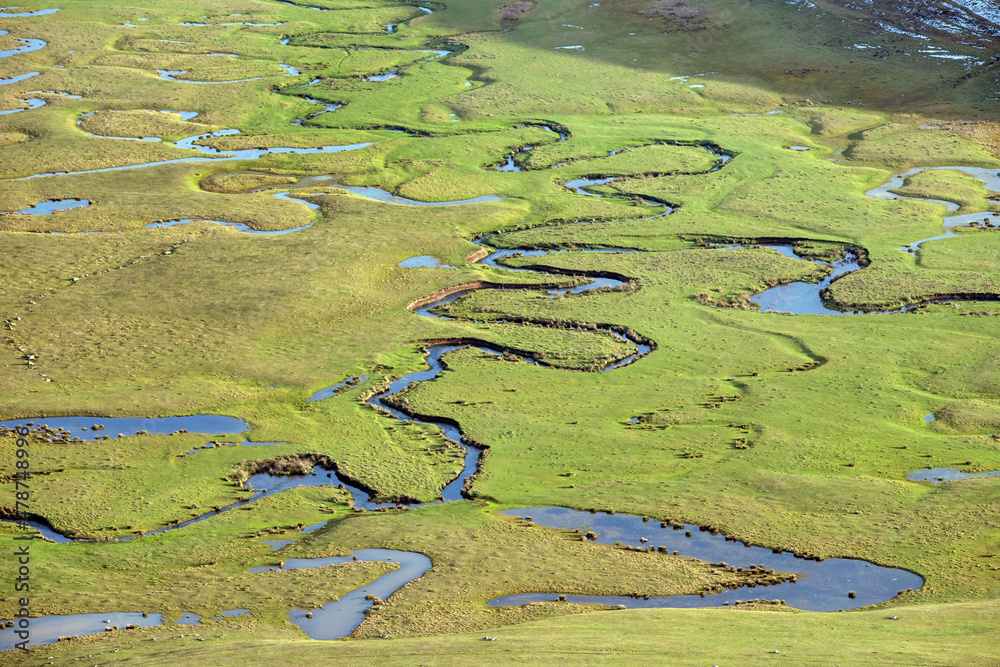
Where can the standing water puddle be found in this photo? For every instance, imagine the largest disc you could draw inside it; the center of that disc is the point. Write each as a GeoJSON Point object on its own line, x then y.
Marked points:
{"type": "Point", "coordinates": [5, 12]}
{"type": "Point", "coordinates": [424, 262]}
{"type": "Point", "coordinates": [48, 629]}
{"type": "Point", "coordinates": [939, 475]}
{"type": "Point", "coordinates": [111, 427]}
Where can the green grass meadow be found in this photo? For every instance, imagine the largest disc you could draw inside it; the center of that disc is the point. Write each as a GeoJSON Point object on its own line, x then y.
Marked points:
{"type": "Point", "coordinates": [793, 432]}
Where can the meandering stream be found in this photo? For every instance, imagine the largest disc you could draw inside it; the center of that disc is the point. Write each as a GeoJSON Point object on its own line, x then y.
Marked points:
{"type": "Point", "coordinates": [827, 593]}
{"type": "Point", "coordinates": [991, 180]}
{"type": "Point", "coordinates": [824, 587]}
{"type": "Point", "coordinates": [339, 619]}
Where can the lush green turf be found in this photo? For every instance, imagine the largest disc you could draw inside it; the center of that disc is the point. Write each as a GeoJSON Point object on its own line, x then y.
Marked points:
{"type": "Point", "coordinates": [795, 432]}
{"type": "Point", "coordinates": [926, 635]}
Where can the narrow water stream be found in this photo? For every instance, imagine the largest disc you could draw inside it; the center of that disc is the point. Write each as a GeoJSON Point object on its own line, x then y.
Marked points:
{"type": "Point", "coordinates": [18, 78]}
{"type": "Point", "coordinates": [824, 586]}
{"type": "Point", "coordinates": [339, 619]}
{"type": "Point", "coordinates": [990, 177]}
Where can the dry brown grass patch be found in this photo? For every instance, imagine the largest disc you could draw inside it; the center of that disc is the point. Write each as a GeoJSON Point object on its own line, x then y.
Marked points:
{"type": "Point", "coordinates": [11, 138]}
{"type": "Point", "coordinates": [515, 9]}
{"type": "Point", "coordinates": [289, 464]}
{"type": "Point", "coordinates": [237, 183]}
{"type": "Point", "coordinates": [680, 9]}
{"type": "Point", "coordinates": [986, 133]}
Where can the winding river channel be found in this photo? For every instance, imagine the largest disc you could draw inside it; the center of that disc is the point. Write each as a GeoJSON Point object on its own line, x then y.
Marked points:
{"type": "Point", "coordinates": [823, 587]}
{"type": "Point", "coordinates": [991, 182]}
{"type": "Point", "coordinates": [820, 585]}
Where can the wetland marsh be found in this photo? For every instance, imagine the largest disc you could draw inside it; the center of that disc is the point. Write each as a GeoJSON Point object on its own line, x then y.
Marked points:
{"type": "Point", "coordinates": [426, 321]}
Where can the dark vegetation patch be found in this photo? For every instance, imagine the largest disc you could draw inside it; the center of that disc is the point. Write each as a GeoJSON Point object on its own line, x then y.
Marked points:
{"type": "Point", "coordinates": [287, 464]}
{"type": "Point", "coordinates": [515, 9]}
{"type": "Point", "coordinates": [685, 15]}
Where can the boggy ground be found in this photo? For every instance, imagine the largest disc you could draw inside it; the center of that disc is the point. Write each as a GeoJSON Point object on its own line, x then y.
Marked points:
{"type": "Point", "coordinates": [823, 416]}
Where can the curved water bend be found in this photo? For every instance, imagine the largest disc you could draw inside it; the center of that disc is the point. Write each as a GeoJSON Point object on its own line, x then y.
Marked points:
{"type": "Point", "coordinates": [224, 156]}
{"type": "Point", "coordinates": [345, 385]}
{"type": "Point", "coordinates": [35, 102]}
{"type": "Point", "coordinates": [27, 45]}
{"type": "Point", "coordinates": [580, 185]}
{"type": "Point", "coordinates": [426, 10]}
{"type": "Point", "coordinates": [453, 490]}
{"type": "Point", "coordinates": [246, 229]}
{"type": "Point", "coordinates": [991, 182]}
{"type": "Point", "coordinates": [32, 102]}
{"type": "Point", "coordinates": [316, 114]}
{"type": "Point", "coordinates": [450, 429]}
{"type": "Point", "coordinates": [259, 486]}
{"type": "Point", "coordinates": [802, 298]}
{"type": "Point", "coordinates": [210, 25]}
{"type": "Point", "coordinates": [4, 14]}
{"type": "Point", "coordinates": [172, 74]}
{"type": "Point", "coordinates": [339, 618]}
{"type": "Point", "coordinates": [185, 115]}
{"type": "Point", "coordinates": [819, 586]}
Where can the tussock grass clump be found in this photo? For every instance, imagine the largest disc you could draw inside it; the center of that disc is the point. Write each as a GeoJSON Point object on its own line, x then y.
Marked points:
{"type": "Point", "coordinates": [234, 183]}
{"type": "Point", "coordinates": [287, 464]}
{"type": "Point", "coordinates": [968, 417]}
{"type": "Point", "coordinates": [141, 123]}
{"type": "Point", "coordinates": [10, 138]}
{"type": "Point", "coordinates": [515, 9]}
{"type": "Point", "coordinates": [676, 9]}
